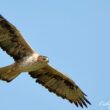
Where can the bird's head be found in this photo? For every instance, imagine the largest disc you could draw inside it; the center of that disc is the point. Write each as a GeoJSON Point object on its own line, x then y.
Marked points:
{"type": "Point", "coordinates": [42, 59]}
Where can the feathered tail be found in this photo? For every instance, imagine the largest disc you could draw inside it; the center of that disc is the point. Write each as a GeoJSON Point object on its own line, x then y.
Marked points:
{"type": "Point", "coordinates": [7, 74]}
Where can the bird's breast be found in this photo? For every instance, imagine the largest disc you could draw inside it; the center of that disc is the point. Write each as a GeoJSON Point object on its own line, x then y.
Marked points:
{"type": "Point", "coordinates": [29, 63]}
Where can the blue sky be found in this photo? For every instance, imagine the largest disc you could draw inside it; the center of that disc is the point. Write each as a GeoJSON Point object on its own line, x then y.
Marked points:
{"type": "Point", "coordinates": [75, 35]}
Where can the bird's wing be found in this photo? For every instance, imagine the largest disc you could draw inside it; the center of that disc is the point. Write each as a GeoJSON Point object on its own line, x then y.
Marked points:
{"type": "Point", "coordinates": [60, 84]}
{"type": "Point", "coordinates": [12, 41]}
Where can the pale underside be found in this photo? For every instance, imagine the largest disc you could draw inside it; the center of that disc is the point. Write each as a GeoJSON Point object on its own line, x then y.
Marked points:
{"type": "Point", "coordinates": [26, 59]}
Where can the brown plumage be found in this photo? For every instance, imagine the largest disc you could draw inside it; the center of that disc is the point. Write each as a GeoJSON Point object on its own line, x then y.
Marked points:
{"type": "Point", "coordinates": [60, 84]}
{"type": "Point", "coordinates": [12, 41]}
{"type": "Point", "coordinates": [27, 60]}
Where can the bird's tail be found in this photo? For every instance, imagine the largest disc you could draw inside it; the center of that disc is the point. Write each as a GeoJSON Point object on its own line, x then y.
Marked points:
{"type": "Point", "coordinates": [8, 74]}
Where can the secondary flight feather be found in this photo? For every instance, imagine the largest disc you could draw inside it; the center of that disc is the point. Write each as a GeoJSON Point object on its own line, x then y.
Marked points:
{"type": "Point", "coordinates": [27, 60]}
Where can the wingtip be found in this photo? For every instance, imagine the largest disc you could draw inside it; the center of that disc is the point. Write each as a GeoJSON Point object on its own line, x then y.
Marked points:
{"type": "Point", "coordinates": [1, 16]}
{"type": "Point", "coordinates": [76, 104]}
{"type": "Point", "coordinates": [86, 100]}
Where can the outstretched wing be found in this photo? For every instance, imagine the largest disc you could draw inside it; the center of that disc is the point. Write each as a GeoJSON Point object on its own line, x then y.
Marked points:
{"type": "Point", "coordinates": [60, 84]}
{"type": "Point", "coordinates": [12, 41]}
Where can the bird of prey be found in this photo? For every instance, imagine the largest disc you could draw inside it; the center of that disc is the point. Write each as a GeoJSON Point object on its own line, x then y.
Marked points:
{"type": "Point", "coordinates": [27, 60]}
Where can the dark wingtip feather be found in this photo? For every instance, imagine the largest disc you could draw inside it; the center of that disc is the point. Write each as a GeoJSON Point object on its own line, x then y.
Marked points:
{"type": "Point", "coordinates": [86, 100]}
{"type": "Point", "coordinates": [83, 102]}
{"type": "Point", "coordinates": [80, 103]}
{"type": "Point", "coordinates": [76, 104]}
{"type": "Point", "coordinates": [84, 93]}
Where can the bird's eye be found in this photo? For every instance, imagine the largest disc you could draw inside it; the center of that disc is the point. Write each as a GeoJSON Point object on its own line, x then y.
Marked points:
{"type": "Point", "coordinates": [44, 58]}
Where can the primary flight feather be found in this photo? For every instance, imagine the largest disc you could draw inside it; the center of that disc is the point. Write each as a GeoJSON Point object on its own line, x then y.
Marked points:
{"type": "Point", "coordinates": [27, 60]}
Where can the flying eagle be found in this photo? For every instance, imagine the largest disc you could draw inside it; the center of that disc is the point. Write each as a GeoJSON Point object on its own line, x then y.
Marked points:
{"type": "Point", "coordinates": [27, 60]}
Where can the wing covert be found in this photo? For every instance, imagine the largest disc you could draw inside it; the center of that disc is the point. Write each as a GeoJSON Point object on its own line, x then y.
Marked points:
{"type": "Point", "coordinates": [12, 41]}
{"type": "Point", "coordinates": [60, 84]}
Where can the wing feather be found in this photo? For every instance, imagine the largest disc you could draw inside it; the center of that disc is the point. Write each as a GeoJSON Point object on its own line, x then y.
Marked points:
{"type": "Point", "coordinates": [12, 41]}
{"type": "Point", "coordinates": [60, 84]}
